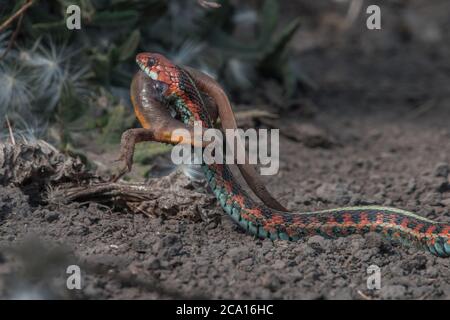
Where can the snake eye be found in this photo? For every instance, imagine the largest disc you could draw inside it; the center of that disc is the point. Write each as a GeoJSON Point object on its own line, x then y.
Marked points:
{"type": "Point", "coordinates": [151, 62]}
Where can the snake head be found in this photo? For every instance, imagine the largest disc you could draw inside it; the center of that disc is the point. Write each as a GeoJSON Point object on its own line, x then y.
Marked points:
{"type": "Point", "coordinates": [160, 69]}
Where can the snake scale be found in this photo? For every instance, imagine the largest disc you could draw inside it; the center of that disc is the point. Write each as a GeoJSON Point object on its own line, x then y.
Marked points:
{"type": "Point", "coordinates": [176, 87]}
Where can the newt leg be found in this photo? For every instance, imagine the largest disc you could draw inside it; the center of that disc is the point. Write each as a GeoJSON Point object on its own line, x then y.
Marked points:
{"type": "Point", "coordinates": [165, 135]}
{"type": "Point", "coordinates": [159, 126]}
{"type": "Point", "coordinates": [127, 146]}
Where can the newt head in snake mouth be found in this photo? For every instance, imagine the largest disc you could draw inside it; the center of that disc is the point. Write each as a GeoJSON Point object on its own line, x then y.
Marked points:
{"type": "Point", "coordinates": [159, 68]}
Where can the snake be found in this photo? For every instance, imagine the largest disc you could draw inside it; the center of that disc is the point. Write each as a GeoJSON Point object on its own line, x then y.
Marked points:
{"type": "Point", "coordinates": [175, 86]}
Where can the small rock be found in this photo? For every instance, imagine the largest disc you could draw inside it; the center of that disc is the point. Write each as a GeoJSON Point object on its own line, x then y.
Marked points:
{"type": "Point", "coordinates": [432, 272]}
{"type": "Point", "coordinates": [264, 294]}
{"type": "Point", "coordinates": [374, 240]}
{"type": "Point", "coordinates": [442, 170]}
{"type": "Point", "coordinates": [317, 243]}
{"type": "Point", "coordinates": [411, 187]}
{"type": "Point", "coordinates": [443, 187]}
{"type": "Point", "coordinates": [421, 292]}
{"type": "Point", "coordinates": [393, 292]}
{"type": "Point", "coordinates": [79, 230]}
{"type": "Point", "coordinates": [271, 281]}
{"type": "Point", "coordinates": [267, 245]}
{"type": "Point", "coordinates": [247, 262]}
{"type": "Point", "coordinates": [310, 135]}
{"type": "Point", "coordinates": [419, 263]}
{"type": "Point", "coordinates": [152, 263]}
{"type": "Point", "coordinates": [52, 216]}
{"type": "Point", "coordinates": [238, 254]}
{"type": "Point", "coordinates": [334, 193]}
{"type": "Point", "coordinates": [279, 265]}
{"type": "Point", "coordinates": [431, 198]}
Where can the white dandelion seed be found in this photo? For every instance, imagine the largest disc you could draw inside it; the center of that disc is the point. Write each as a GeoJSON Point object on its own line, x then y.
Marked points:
{"type": "Point", "coordinates": [187, 52]}
{"type": "Point", "coordinates": [15, 90]}
{"type": "Point", "coordinates": [52, 74]}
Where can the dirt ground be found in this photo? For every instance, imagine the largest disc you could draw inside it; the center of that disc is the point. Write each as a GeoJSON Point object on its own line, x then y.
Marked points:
{"type": "Point", "coordinates": [375, 131]}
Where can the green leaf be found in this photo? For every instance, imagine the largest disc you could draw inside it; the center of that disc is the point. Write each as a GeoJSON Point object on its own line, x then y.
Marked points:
{"type": "Point", "coordinates": [269, 19]}
{"type": "Point", "coordinates": [101, 66]}
{"type": "Point", "coordinates": [128, 48]}
{"type": "Point", "coordinates": [276, 49]}
{"type": "Point", "coordinates": [115, 18]}
{"type": "Point", "coordinates": [56, 29]}
{"type": "Point", "coordinates": [289, 79]}
{"type": "Point", "coordinates": [113, 55]}
{"type": "Point", "coordinates": [117, 123]}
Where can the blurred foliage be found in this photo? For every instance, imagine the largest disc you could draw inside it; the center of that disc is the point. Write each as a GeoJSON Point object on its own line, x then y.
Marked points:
{"type": "Point", "coordinates": [79, 79]}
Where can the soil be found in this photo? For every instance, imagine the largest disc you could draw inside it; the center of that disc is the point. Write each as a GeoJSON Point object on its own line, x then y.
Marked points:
{"type": "Point", "coordinates": [375, 131]}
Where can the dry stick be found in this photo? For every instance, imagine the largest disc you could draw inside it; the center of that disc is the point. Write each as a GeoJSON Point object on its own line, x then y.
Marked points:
{"type": "Point", "coordinates": [209, 4]}
{"type": "Point", "coordinates": [352, 13]}
{"type": "Point", "coordinates": [13, 38]}
{"type": "Point", "coordinates": [11, 136]}
{"type": "Point", "coordinates": [365, 297]}
{"type": "Point", "coordinates": [107, 192]}
{"type": "Point", "coordinates": [15, 15]}
{"type": "Point", "coordinates": [427, 106]}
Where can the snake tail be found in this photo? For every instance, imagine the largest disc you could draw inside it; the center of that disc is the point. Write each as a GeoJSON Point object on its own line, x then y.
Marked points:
{"type": "Point", "coordinates": [399, 225]}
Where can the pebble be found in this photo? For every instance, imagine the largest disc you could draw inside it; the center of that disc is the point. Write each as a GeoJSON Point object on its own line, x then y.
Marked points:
{"type": "Point", "coordinates": [393, 292]}
{"type": "Point", "coordinates": [317, 243]}
{"type": "Point", "coordinates": [334, 193]}
{"type": "Point", "coordinates": [411, 187]}
{"type": "Point", "coordinates": [52, 216]}
{"type": "Point", "coordinates": [279, 265]}
{"type": "Point", "coordinates": [442, 170]}
{"type": "Point", "coordinates": [247, 262]}
{"type": "Point", "coordinates": [152, 262]}
{"type": "Point", "coordinates": [271, 281]}
{"type": "Point", "coordinates": [238, 254]}
{"type": "Point", "coordinates": [373, 240]}
{"type": "Point", "coordinates": [431, 198]}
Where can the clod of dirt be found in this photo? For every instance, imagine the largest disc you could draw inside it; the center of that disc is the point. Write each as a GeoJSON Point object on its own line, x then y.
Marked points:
{"type": "Point", "coordinates": [34, 167]}
{"type": "Point", "coordinates": [442, 170]}
{"type": "Point", "coordinates": [333, 193]}
{"type": "Point", "coordinates": [310, 135]}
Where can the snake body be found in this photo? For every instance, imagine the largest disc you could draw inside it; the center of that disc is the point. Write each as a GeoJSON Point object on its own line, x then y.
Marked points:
{"type": "Point", "coordinates": [178, 89]}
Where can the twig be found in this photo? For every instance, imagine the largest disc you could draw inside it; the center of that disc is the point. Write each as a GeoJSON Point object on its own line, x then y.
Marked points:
{"type": "Point", "coordinates": [11, 135]}
{"type": "Point", "coordinates": [15, 15]}
{"type": "Point", "coordinates": [352, 13]}
{"type": "Point", "coordinates": [107, 192]}
{"type": "Point", "coordinates": [427, 106]}
{"type": "Point", "coordinates": [13, 37]}
{"type": "Point", "coordinates": [209, 4]}
{"type": "Point", "coordinates": [365, 297]}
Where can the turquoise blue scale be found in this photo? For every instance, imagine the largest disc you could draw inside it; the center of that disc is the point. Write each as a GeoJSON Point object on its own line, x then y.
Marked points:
{"type": "Point", "coordinates": [234, 211]}
{"type": "Point", "coordinates": [440, 248]}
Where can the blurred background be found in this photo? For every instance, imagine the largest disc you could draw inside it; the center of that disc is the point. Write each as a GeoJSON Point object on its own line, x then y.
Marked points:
{"type": "Point", "coordinates": [363, 116]}
{"type": "Point", "coordinates": [70, 87]}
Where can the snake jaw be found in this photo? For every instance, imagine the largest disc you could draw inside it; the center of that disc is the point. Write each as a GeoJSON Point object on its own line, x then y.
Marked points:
{"type": "Point", "coordinates": [153, 75]}
{"type": "Point", "coordinates": [147, 62]}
